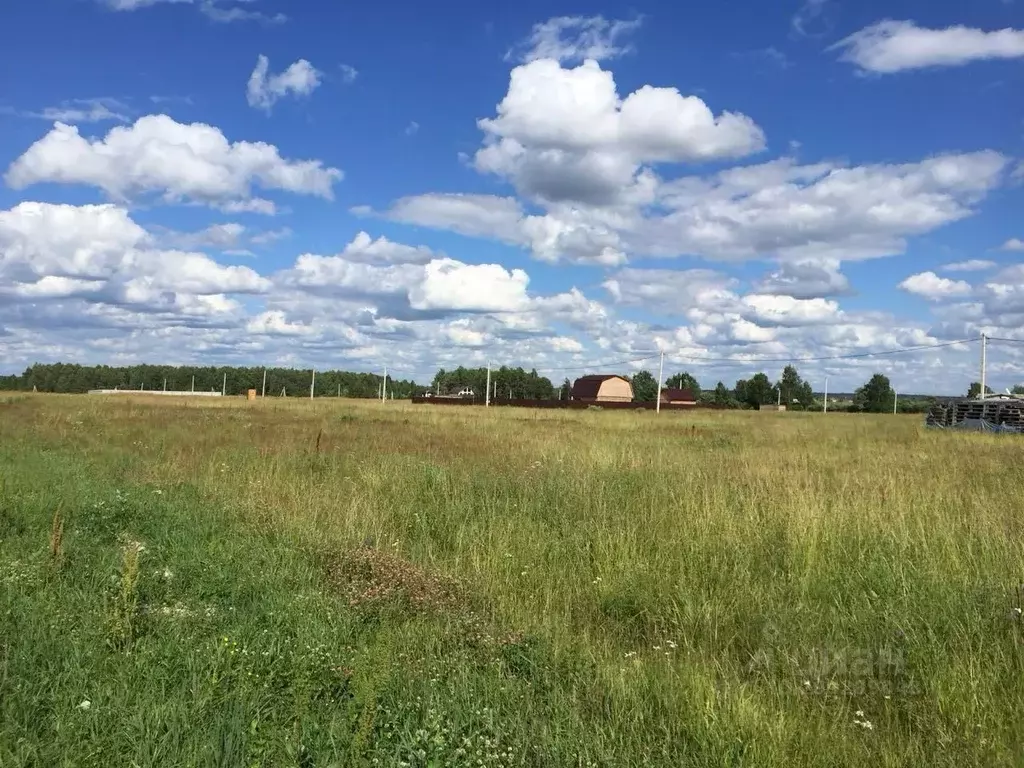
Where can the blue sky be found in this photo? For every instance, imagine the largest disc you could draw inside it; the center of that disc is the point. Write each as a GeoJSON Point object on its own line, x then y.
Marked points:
{"type": "Point", "coordinates": [337, 185]}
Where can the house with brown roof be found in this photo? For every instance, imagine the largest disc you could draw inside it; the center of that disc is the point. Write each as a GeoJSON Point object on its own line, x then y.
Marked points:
{"type": "Point", "coordinates": [602, 388]}
{"type": "Point", "coordinates": [678, 397]}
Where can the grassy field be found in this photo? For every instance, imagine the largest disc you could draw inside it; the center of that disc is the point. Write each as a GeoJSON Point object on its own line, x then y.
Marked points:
{"type": "Point", "coordinates": [341, 583]}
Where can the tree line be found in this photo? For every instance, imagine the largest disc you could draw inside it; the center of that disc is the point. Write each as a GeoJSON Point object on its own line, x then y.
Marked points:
{"type": "Point", "coordinates": [506, 383]}
{"type": "Point", "coordinates": [876, 396]}
{"type": "Point", "coordinates": [791, 390]}
{"type": "Point", "coordinates": [290, 382]}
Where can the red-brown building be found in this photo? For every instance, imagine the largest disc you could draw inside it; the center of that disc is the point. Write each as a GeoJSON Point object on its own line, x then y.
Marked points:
{"type": "Point", "coordinates": [678, 397]}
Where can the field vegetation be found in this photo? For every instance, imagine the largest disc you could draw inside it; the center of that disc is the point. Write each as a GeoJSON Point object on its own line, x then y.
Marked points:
{"type": "Point", "coordinates": [342, 583]}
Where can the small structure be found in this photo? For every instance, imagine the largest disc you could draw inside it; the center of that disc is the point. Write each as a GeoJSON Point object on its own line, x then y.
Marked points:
{"type": "Point", "coordinates": [602, 388]}
{"type": "Point", "coordinates": [678, 397]}
{"type": "Point", "coordinates": [996, 413]}
{"type": "Point", "coordinates": [771, 407]}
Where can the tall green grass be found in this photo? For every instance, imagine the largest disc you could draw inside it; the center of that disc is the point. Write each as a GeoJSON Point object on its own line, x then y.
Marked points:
{"type": "Point", "coordinates": [340, 583]}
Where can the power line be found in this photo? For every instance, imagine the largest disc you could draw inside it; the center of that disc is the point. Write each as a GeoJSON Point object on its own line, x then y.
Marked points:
{"type": "Point", "coordinates": [824, 357]}
{"type": "Point", "coordinates": [598, 365]}
{"type": "Point", "coordinates": [733, 361]}
{"type": "Point", "coordinates": [1010, 341]}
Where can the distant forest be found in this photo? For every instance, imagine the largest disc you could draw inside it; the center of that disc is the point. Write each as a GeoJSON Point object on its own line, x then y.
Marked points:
{"type": "Point", "coordinates": [64, 377]}
{"type": "Point", "coordinates": [876, 395]}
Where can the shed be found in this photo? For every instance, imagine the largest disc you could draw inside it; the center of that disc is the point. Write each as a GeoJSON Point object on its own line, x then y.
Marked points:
{"type": "Point", "coordinates": [678, 397]}
{"type": "Point", "coordinates": [602, 388]}
{"type": "Point", "coordinates": [771, 407]}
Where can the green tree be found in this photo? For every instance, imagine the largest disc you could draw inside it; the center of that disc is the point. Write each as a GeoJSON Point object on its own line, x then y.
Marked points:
{"type": "Point", "coordinates": [645, 387]}
{"type": "Point", "coordinates": [740, 391]}
{"type": "Point", "coordinates": [684, 381]}
{"type": "Point", "coordinates": [1018, 390]}
{"type": "Point", "coordinates": [756, 392]}
{"type": "Point", "coordinates": [565, 390]}
{"type": "Point", "coordinates": [722, 395]}
{"type": "Point", "coordinates": [975, 389]}
{"type": "Point", "coordinates": [877, 396]}
{"type": "Point", "coordinates": [794, 389]}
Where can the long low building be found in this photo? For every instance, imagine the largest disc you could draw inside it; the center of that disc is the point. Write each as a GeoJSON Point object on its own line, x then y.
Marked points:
{"type": "Point", "coordinates": [185, 393]}
{"type": "Point", "coordinates": [678, 397]}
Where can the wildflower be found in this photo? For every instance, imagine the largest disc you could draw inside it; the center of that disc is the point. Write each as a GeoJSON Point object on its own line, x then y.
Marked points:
{"type": "Point", "coordinates": [866, 724]}
{"type": "Point", "coordinates": [85, 705]}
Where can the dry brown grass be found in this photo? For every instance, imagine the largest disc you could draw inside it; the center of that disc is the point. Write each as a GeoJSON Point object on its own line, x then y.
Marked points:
{"type": "Point", "coordinates": [370, 577]}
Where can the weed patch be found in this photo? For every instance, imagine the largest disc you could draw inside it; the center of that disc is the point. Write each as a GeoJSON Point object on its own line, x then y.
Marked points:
{"type": "Point", "coordinates": [370, 578]}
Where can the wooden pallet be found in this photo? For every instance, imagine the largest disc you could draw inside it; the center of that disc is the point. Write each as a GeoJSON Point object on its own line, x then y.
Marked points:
{"type": "Point", "coordinates": [951, 413]}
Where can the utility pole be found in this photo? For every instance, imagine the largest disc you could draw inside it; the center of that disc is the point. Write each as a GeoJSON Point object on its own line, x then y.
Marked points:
{"type": "Point", "coordinates": [165, 384]}
{"type": "Point", "coordinates": [224, 385]}
{"type": "Point", "coordinates": [487, 393]}
{"type": "Point", "coordinates": [264, 383]}
{"type": "Point", "coordinates": [661, 375]}
{"type": "Point", "coordinates": [826, 395]}
{"type": "Point", "coordinates": [312, 384]}
{"type": "Point", "coordinates": [384, 386]}
{"type": "Point", "coordinates": [984, 352]}
{"type": "Point", "coordinates": [895, 399]}
{"type": "Point", "coordinates": [339, 390]}
{"type": "Point", "coordinates": [193, 383]}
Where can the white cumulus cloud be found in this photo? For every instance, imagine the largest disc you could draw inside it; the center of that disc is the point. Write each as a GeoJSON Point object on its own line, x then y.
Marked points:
{"type": "Point", "coordinates": [565, 134]}
{"type": "Point", "coordinates": [808, 217]}
{"type": "Point", "coordinates": [930, 286]}
{"type": "Point", "coordinates": [810, 279]}
{"type": "Point", "coordinates": [364, 248]}
{"type": "Point", "coordinates": [99, 252]}
{"type": "Point", "coordinates": [894, 46]}
{"type": "Point", "coordinates": [452, 285]}
{"type": "Point", "coordinates": [180, 162]}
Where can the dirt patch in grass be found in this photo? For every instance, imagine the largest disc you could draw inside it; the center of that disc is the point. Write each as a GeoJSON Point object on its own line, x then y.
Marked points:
{"type": "Point", "coordinates": [370, 577]}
